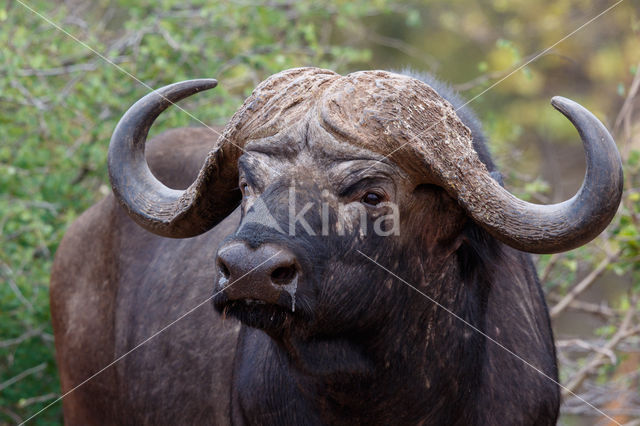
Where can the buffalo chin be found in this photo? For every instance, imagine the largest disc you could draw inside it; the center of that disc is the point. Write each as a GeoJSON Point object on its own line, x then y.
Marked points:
{"type": "Point", "coordinates": [253, 313]}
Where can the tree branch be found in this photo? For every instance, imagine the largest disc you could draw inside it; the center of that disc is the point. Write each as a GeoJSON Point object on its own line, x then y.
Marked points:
{"type": "Point", "coordinates": [582, 285]}
{"type": "Point", "coordinates": [20, 339]}
{"type": "Point", "coordinates": [623, 332]}
{"type": "Point", "coordinates": [25, 373]}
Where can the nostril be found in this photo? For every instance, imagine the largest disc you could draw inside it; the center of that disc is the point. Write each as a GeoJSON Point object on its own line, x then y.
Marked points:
{"type": "Point", "coordinates": [283, 275]}
{"type": "Point", "coordinates": [224, 271]}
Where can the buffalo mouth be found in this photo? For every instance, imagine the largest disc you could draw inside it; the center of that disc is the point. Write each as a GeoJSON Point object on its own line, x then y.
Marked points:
{"type": "Point", "coordinates": [255, 313]}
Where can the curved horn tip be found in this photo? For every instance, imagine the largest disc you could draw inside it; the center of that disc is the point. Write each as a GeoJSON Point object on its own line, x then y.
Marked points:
{"type": "Point", "coordinates": [205, 83]}
{"type": "Point", "coordinates": [559, 102]}
{"type": "Point", "coordinates": [192, 86]}
{"type": "Point", "coordinates": [568, 107]}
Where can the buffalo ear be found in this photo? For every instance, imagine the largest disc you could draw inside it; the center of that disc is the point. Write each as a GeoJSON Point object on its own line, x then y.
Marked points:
{"type": "Point", "coordinates": [443, 222]}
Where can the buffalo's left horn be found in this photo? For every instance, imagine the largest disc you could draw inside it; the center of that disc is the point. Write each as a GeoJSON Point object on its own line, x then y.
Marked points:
{"type": "Point", "coordinates": [557, 227]}
{"type": "Point", "coordinates": [154, 206]}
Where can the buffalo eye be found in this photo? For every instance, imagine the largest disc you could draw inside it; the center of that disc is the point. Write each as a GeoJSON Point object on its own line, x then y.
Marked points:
{"type": "Point", "coordinates": [371, 199]}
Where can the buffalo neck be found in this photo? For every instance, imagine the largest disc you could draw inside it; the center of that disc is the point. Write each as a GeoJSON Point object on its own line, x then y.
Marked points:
{"type": "Point", "coordinates": [406, 370]}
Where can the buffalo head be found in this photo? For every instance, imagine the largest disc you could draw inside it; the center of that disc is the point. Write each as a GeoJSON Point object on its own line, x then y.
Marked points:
{"type": "Point", "coordinates": [329, 169]}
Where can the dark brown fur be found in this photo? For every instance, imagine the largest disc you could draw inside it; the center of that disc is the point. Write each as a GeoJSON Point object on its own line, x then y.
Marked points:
{"type": "Point", "coordinates": [97, 282]}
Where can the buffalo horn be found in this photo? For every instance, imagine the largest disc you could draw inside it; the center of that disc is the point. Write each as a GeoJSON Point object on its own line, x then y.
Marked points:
{"type": "Point", "coordinates": [557, 227]}
{"type": "Point", "coordinates": [154, 206]}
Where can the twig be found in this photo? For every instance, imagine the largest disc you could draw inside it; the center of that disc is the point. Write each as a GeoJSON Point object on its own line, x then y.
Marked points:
{"type": "Point", "coordinates": [15, 288]}
{"type": "Point", "coordinates": [623, 332]}
{"type": "Point", "coordinates": [601, 309]}
{"type": "Point", "coordinates": [403, 47]}
{"type": "Point", "coordinates": [36, 102]}
{"type": "Point", "coordinates": [628, 102]}
{"type": "Point", "coordinates": [36, 399]}
{"type": "Point", "coordinates": [67, 69]}
{"type": "Point", "coordinates": [25, 373]}
{"type": "Point", "coordinates": [20, 339]}
{"type": "Point", "coordinates": [588, 347]}
{"type": "Point", "coordinates": [582, 285]}
{"type": "Point", "coordinates": [12, 415]}
{"type": "Point", "coordinates": [552, 262]}
{"type": "Point", "coordinates": [167, 37]}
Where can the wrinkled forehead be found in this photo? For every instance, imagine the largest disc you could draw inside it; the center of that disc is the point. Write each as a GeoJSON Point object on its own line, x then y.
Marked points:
{"type": "Point", "coordinates": [309, 137]}
{"type": "Point", "coordinates": [386, 114]}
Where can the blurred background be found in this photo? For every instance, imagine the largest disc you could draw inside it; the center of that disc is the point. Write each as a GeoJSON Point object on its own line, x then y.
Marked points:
{"type": "Point", "coordinates": [59, 103]}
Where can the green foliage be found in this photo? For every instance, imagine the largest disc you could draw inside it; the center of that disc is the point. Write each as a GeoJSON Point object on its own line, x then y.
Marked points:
{"type": "Point", "coordinates": [59, 103]}
{"type": "Point", "coordinates": [626, 229]}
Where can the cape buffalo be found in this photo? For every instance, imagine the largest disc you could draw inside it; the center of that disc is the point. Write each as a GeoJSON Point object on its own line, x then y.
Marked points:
{"type": "Point", "coordinates": [342, 254]}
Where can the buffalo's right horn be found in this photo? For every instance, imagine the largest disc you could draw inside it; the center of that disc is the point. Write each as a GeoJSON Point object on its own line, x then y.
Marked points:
{"type": "Point", "coordinates": [157, 208]}
{"type": "Point", "coordinates": [557, 227]}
